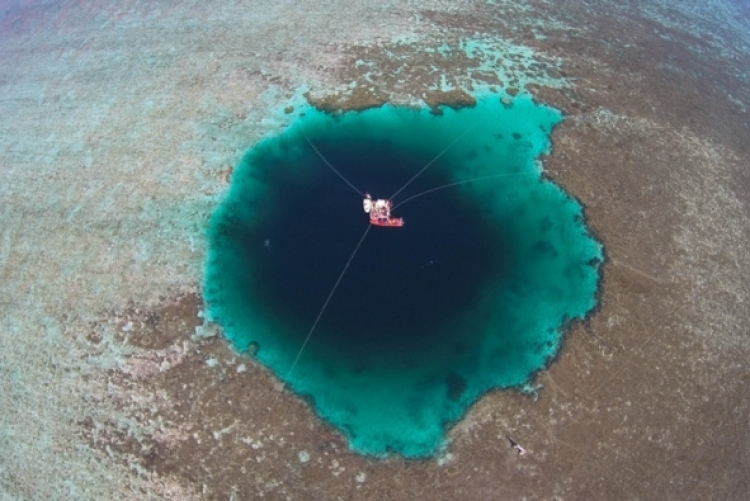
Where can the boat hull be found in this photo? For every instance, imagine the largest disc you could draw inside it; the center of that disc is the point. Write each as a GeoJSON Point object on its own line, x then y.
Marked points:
{"type": "Point", "coordinates": [387, 223]}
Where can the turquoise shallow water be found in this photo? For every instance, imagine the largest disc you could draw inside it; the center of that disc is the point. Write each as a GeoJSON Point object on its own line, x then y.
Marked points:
{"type": "Point", "coordinates": [472, 294]}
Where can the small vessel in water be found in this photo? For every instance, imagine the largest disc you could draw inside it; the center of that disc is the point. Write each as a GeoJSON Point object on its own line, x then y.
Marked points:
{"type": "Point", "coordinates": [380, 212]}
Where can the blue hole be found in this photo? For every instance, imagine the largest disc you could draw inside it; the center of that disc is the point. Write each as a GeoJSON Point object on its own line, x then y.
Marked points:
{"type": "Point", "coordinates": [473, 293]}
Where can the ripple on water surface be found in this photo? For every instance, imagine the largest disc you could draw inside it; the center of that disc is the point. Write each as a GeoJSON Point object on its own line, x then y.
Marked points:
{"type": "Point", "coordinates": [473, 293]}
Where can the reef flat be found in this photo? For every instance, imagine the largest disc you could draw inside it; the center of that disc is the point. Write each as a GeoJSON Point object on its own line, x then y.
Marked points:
{"type": "Point", "coordinates": [122, 125]}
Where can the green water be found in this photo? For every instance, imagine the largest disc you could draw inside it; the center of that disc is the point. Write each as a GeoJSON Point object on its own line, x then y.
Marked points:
{"type": "Point", "coordinates": [473, 293]}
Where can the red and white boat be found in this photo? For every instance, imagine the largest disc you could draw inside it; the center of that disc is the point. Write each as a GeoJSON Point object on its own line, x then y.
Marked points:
{"type": "Point", "coordinates": [380, 212]}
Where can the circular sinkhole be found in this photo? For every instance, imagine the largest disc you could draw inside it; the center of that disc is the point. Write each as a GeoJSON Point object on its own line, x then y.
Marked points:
{"type": "Point", "coordinates": [472, 293]}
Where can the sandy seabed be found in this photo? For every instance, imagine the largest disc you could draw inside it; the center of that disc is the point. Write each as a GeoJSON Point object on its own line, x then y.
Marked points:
{"type": "Point", "coordinates": [120, 127]}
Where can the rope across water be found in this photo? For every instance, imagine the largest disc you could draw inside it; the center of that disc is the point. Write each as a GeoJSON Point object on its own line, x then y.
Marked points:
{"type": "Point", "coordinates": [364, 235]}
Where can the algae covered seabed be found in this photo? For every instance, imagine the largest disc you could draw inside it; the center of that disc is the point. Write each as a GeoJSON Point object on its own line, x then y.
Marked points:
{"type": "Point", "coordinates": [121, 125]}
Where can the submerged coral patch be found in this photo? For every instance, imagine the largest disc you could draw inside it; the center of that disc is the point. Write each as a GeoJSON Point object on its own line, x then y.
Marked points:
{"type": "Point", "coordinates": [472, 294]}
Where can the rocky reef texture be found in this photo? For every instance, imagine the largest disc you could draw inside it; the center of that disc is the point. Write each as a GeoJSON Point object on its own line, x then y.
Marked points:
{"type": "Point", "coordinates": [121, 123]}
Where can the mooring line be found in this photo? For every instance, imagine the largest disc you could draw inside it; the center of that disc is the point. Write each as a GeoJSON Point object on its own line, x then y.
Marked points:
{"type": "Point", "coordinates": [483, 178]}
{"type": "Point", "coordinates": [329, 164]}
{"type": "Point", "coordinates": [325, 305]}
{"type": "Point", "coordinates": [415, 176]}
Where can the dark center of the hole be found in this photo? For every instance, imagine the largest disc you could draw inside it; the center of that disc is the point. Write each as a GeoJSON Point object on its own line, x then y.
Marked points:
{"type": "Point", "coordinates": [404, 283]}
